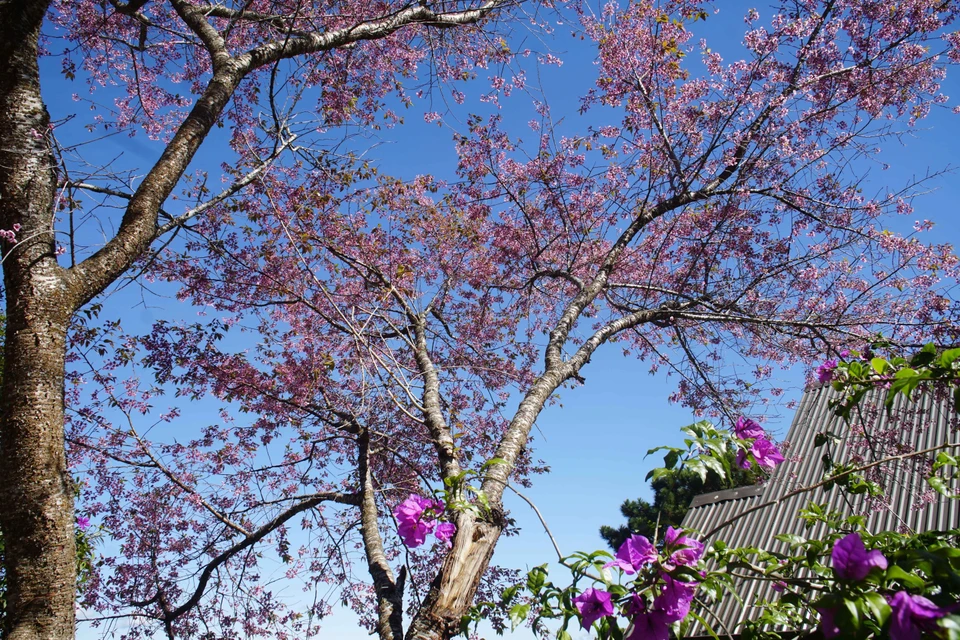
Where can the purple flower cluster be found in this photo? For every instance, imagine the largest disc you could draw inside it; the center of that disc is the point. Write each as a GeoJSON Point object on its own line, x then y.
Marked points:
{"type": "Point", "coordinates": [825, 371]}
{"type": "Point", "coordinates": [633, 554]}
{"type": "Point", "coordinates": [763, 450]}
{"type": "Point", "coordinates": [592, 605]}
{"type": "Point", "coordinates": [675, 597]}
{"type": "Point", "coordinates": [684, 551]}
{"type": "Point", "coordinates": [672, 605]}
{"type": "Point", "coordinates": [852, 561]}
{"type": "Point", "coordinates": [911, 617]}
{"type": "Point", "coordinates": [417, 517]}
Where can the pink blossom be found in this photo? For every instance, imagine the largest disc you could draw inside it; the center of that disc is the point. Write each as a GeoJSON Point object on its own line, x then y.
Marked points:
{"type": "Point", "coordinates": [825, 371]}
{"type": "Point", "coordinates": [764, 451]}
{"type": "Point", "coordinates": [650, 626]}
{"type": "Point", "coordinates": [675, 599]}
{"type": "Point", "coordinates": [828, 626]}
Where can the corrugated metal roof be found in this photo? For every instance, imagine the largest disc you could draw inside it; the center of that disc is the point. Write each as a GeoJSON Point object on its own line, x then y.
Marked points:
{"type": "Point", "coordinates": [926, 422]}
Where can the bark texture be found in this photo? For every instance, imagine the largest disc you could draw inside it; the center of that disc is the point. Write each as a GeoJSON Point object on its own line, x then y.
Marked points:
{"type": "Point", "coordinates": [455, 586]}
{"type": "Point", "coordinates": [35, 486]}
{"type": "Point", "coordinates": [389, 589]}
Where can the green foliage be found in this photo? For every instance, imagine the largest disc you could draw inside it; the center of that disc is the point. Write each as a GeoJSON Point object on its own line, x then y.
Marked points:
{"type": "Point", "coordinates": [814, 589]}
{"type": "Point", "coordinates": [928, 369]}
{"type": "Point", "coordinates": [672, 494]}
{"type": "Point", "coordinates": [708, 464]}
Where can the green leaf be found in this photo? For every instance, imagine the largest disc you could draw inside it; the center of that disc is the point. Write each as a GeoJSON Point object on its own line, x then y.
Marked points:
{"type": "Point", "coordinates": [670, 460]}
{"type": "Point", "coordinates": [949, 356]}
{"type": "Point", "coordinates": [878, 606]}
{"type": "Point", "coordinates": [518, 615]}
{"type": "Point", "coordinates": [824, 437]}
{"type": "Point", "coordinates": [925, 356]}
{"type": "Point", "coordinates": [940, 486]}
{"type": "Point", "coordinates": [536, 579]}
{"type": "Point", "coordinates": [698, 468]}
{"type": "Point", "coordinates": [492, 462]}
{"type": "Point", "coordinates": [706, 627]}
{"type": "Point", "coordinates": [944, 459]}
{"type": "Point", "coordinates": [909, 580]}
{"type": "Point", "coordinates": [714, 465]}
{"type": "Point", "coordinates": [951, 625]}
{"type": "Point", "coordinates": [848, 616]}
{"type": "Point", "coordinates": [791, 539]}
{"type": "Point", "coordinates": [658, 473]}
{"type": "Point", "coordinates": [879, 365]}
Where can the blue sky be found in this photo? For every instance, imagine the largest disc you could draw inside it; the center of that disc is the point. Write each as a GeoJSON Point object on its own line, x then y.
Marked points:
{"type": "Point", "coordinates": [596, 438]}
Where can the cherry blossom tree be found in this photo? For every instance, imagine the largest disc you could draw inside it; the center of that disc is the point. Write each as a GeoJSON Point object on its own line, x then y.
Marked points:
{"type": "Point", "coordinates": [407, 333]}
{"type": "Point", "coordinates": [177, 70]}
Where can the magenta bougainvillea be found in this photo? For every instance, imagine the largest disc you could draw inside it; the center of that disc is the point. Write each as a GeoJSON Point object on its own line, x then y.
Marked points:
{"type": "Point", "coordinates": [852, 561]}
{"type": "Point", "coordinates": [593, 604]}
{"type": "Point", "coordinates": [417, 517]}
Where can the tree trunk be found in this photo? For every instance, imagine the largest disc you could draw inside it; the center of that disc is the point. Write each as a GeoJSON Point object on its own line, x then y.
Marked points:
{"type": "Point", "coordinates": [36, 490]}
{"type": "Point", "coordinates": [453, 590]}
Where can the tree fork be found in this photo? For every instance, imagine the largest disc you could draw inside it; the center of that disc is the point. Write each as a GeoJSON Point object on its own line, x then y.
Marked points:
{"type": "Point", "coordinates": [453, 590]}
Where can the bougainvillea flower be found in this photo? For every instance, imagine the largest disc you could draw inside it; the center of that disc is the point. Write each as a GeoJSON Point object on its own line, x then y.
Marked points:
{"type": "Point", "coordinates": [852, 561]}
{"type": "Point", "coordinates": [742, 460]}
{"type": "Point", "coordinates": [766, 454]}
{"type": "Point", "coordinates": [445, 531]}
{"type": "Point", "coordinates": [635, 552]}
{"type": "Point", "coordinates": [650, 626]}
{"type": "Point", "coordinates": [637, 605]}
{"type": "Point", "coordinates": [747, 429]}
{"type": "Point", "coordinates": [828, 625]}
{"type": "Point", "coordinates": [688, 550]}
{"type": "Point", "coordinates": [593, 604]}
{"type": "Point", "coordinates": [413, 507]}
{"type": "Point", "coordinates": [675, 599]}
{"type": "Point", "coordinates": [415, 519]}
{"type": "Point", "coordinates": [912, 616]}
{"type": "Point", "coordinates": [825, 371]}
{"type": "Point", "coordinates": [414, 533]}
